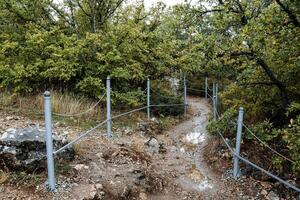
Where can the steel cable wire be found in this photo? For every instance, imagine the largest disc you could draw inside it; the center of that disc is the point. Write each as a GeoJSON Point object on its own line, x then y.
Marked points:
{"type": "Point", "coordinates": [80, 137]}
{"type": "Point", "coordinates": [265, 144]}
{"type": "Point", "coordinates": [287, 184]}
{"type": "Point", "coordinates": [196, 89]}
{"type": "Point", "coordinates": [102, 123]}
{"type": "Point", "coordinates": [129, 112]}
{"type": "Point", "coordinates": [168, 105]}
{"type": "Point", "coordinates": [256, 166]}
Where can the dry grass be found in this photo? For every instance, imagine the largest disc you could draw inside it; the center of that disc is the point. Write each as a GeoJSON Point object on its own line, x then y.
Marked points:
{"type": "Point", "coordinates": [138, 145]}
{"type": "Point", "coordinates": [78, 149]}
{"type": "Point", "coordinates": [61, 103]}
{"type": "Point", "coordinates": [3, 177]}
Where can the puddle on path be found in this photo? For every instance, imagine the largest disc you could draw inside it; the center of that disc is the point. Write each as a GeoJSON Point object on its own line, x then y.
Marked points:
{"type": "Point", "coordinates": [195, 137]}
{"type": "Point", "coordinates": [200, 186]}
{"type": "Point", "coordinates": [204, 185]}
{"type": "Point", "coordinates": [195, 179]}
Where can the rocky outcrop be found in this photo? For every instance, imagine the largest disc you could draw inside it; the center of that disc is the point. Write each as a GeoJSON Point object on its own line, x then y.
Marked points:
{"type": "Point", "coordinates": [25, 149]}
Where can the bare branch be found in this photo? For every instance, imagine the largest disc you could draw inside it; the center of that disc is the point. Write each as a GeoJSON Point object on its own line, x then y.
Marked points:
{"type": "Point", "coordinates": [291, 15]}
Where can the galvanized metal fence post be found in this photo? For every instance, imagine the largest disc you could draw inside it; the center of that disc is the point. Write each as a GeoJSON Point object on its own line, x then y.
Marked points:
{"type": "Point", "coordinates": [148, 98]}
{"type": "Point", "coordinates": [214, 101]}
{"type": "Point", "coordinates": [236, 167]}
{"type": "Point", "coordinates": [214, 88]}
{"type": "Point", "coordinates": [49, 141]}
{"type": "Point", "coordinates": [214, 108]}
{"type": "Point", "coordinates": [185, 94]}
{"type": "Point", "coordinates": [108, 107]}
{"type": "Point", "coordinates": [216, 93]}
{"type": "Point", "coordinates": [206, 87]}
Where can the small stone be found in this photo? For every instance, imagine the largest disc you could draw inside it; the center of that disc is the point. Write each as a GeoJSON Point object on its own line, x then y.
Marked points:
{"type": "Point", "coordinates": [153, 145]}
{"type": "Point", "coordinates": [126, 192]}
{"type": "Point", "coordinates": [101, 194]}
{"type": "Point", "coordinates": [9, 118]}
{"type": "Point", "coordinates": [80, 167]}
{"type": "Point", "coordinates": [273, 196]}
{"type": "Point", "coordinates": [173, 149]}
{"type": "Point", "coordinates": [93, 193]}
{"type": "Point", "coordinates": [99, 155]}
{"type": "Point", "coordinates": [264, 192]}
{"type": "Point", "coordinates": [99, 186]}
{"type": "Point", "coordinates": [153, 142]}
{"type": "Point", "coordinates": [143, 196]}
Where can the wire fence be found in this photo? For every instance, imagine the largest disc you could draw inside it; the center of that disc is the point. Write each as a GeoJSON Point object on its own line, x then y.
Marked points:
{"type": "Point", "coordinates": [289, 185]}
{"type": "Point", "coordinates": [184, 104]}
{"type": "Point", "coordinates": [79, 138]}
{"type": "Point", "coordinates": [48, 121]}
{"type": "Point", "coordinates": [238, 156]}
{"type": "Point", "coordinates": [266, 145]}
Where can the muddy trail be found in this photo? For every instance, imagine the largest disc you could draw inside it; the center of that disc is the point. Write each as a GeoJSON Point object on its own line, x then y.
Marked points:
{"type": "Point", "coordinates": [186, 144]}
{"type": "Point", "coordinates": [137, 164]}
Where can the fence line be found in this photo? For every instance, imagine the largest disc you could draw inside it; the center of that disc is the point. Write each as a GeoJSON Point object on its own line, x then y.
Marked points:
{"type": "Point", "coordinates": [236, 155]}
{"type": "Point", "coordinates": [79, 138]}
{"type": "Point", "coordinates": [265, 144]}
{"type": "Point", "coordinates": [51, 153]}
{"type": "Point", "coordinates": [129, 112]}
{"type": "Point", "coordinates": [82, 113]}
{"type": "Point", "coordinates": [216, 113]}
{"type": "Point", "coordinates": [197, 90]}
{"type": "Point", "coordinates": [168, 105]}
{"type": "Point", "coordinates": [256, 166]}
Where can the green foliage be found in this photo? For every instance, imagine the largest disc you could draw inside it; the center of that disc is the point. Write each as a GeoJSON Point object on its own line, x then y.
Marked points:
{"type": "Point", "coordinates": [263, 130]}
{"type": "Point", "coordinates": [162, 93]}
{"type": "Point", "coordinates": [77, 56]}
{"type": "Point", "coordinates": [225, 124]}
{"type": "Point", "coordinates": [134, 98]}
{"type": "Point", "coordinates": [291, 135]}
{"type": "Point", "coordinates": [91, 86]}
{"type": "Point", "coordinates": [294, 108]}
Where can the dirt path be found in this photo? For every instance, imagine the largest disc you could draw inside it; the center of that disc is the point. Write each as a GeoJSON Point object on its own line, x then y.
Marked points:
{"type": "Point", "coordinates": [184, 157]}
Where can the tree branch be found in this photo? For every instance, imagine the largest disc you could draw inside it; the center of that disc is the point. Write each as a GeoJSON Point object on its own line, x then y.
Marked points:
{"type": "Point", "coordinates": [291, 15]}
{"type": "Point", "coordinates": [269, 73]}
{"type": "Point", "coordinates": [80, 6]}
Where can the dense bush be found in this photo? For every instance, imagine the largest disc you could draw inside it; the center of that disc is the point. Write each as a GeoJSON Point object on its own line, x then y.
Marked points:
{"type": "Point", "coordinates": [39, 53]}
